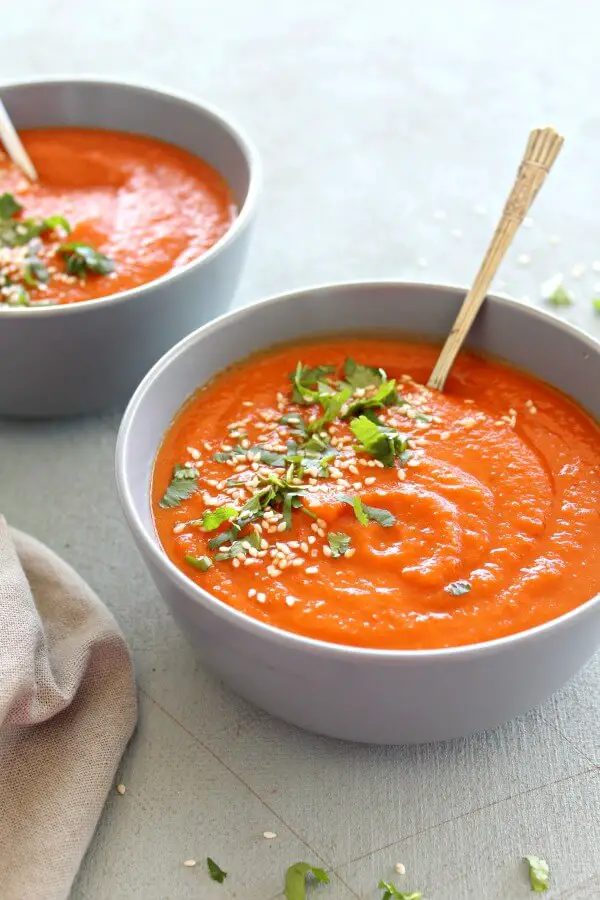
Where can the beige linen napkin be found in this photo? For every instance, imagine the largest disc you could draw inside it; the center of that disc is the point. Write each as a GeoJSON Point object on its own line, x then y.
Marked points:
{"type": "Point", "coordinates": [67, 711]}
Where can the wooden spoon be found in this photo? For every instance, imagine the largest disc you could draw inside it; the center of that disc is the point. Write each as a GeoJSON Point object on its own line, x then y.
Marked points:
{"type": "Point", "coordinates": [542, 149]}
{"type": "Point", "coordinates": [13, 145]}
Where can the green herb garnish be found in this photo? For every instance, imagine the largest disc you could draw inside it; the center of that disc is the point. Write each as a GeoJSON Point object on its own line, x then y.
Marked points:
{"type": "Point", "coordinates": [9, 207]}
{"type": "Point", "coordinates": [386, 395]}
{"type": "Point", "coordinates": [239, 547]}
{"type": "Point", "coordinates": [560, 296]}
{"type": "Point", "coordinates": [309, 383]}
{"type": "Point", "coordinates": [539, 874]}
{"type": "Point", "coordinates": [391, 892]}
{"type": "Point", "coordinates": [81, 259]}
{"type": "Point", "coordinates": [458, 588]}
{"type": "Point", "coordinates": [297, 423]}
{"type": "Point", "coordinates": [379, 440]}
{"type": "Point", "coordinates": [35, 272]}
{"type": "Point", "coordinates": [215, 871]}
{"type": "Point", "coordinates": [338, 543]}
{"type": "Point", "coordinates": [212, 518]}
{"type": "Point", "coordinates": [198, 562]}
{"type": "Point", "coordinates": [267, 457]}
{"type": "Point", "coordinates": [184, 482]}
{"type": "Point", "coordinates": [365, 513]}
{"type": "Point", "coordinates": [295, 879]}
{"type": "Point", "coordinates": [358, 376]}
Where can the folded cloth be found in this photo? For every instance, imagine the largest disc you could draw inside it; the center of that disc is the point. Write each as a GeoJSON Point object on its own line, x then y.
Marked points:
{"type": "Point", "coordinates": [67, 711]}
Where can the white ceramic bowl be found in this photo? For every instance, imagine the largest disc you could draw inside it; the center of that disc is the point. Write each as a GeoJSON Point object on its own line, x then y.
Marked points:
{"type": "Point", "coordinates": [378, 696]}
{"type": "Point", "coordinates": [89, 356]}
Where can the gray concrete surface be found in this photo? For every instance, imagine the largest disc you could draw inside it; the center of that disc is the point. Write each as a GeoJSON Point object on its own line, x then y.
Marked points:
{"type": "Point", "coordinates": [369, 117]}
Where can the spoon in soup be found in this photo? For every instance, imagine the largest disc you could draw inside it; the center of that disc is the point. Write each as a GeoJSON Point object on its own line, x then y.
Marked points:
{"type": "Point", "coordinates": [542, 149]}
{"type": "Point", "coordinates": [14, 146]}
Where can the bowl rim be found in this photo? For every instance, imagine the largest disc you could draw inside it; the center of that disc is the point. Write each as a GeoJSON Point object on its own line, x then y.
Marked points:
{"type": "Point", "coordinates": [289, 639]}
{"type": "Point", "coordinates": [194, 105]}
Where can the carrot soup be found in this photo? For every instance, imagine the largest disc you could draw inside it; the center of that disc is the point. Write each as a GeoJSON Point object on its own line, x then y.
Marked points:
{"type": "Point", "coordinates": [323, 489]}
{"type": "Point", "coordinates": [111, 211]}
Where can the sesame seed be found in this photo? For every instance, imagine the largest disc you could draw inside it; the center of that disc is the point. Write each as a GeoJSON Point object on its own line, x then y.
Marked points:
{"type": "Point", "coordinates": [298, 561]}
{"type": "Point", "coordinates": [177, 529]}
{"type": "Point", "coordinates": [445, 436]}
{"type": "Point", "coordinates": [290, 600]}
{"type": "Point", "coordinates": [121, 789]}
{"type": "Point", "coordinates": [311, 539]}
{"type": "Point", "coordinates": [326, 551]}
{"type": "Point", "coordinates": [269, 835]}
{"type": "Point", "coordinates": [312, 570]}
{"type": "Point", "coordinates": [273, 571]}
{"type": "Point", "coordinates": [235, 563]}
{"type": "Point", "coordinates": [262, 598]}
{"type": "Point", "coordinates": [252, 593]}
{"type": "Point", "coordinates": [370, 480]}
{"type": "Point", "coordinates": [401, 474]}
{"type": "Point", "coordinates": [357, 485]}
{"type": "Point", "coordinates": [349, 553]}
{"type": "Point", "coordinates": [189, 863]}
{"type": "Point", "coordinates": [400, 868]}
{"type": "Point", "coordinates": [194, 453]}
{"type": "Point", "coordinates": [281, 527]}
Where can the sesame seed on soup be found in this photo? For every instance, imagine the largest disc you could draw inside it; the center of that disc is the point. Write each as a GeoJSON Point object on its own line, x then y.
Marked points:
{"type": "Point", "coordinates": [323, 489]}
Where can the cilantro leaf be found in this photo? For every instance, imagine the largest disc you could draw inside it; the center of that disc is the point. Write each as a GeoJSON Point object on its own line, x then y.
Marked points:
{"type": "Point", "coordinates": [212, 518]}
{"type": "Point", "coordinates": [391, 892]}
{"type": "Point", "coordinates": [54, 222]}
{"type": "Point", "coordinates": [539, 873]}
{"type": "Point", "coordinates": [198, 562]}
{"type": "Point", "coordinates": [215, 871]}
{"type": "Point", "coordinates": [306, 380]}
{"type": "Point", "coordinates": [386, 395]}
{"type": "Point", "coordinates": [81, 258]}
{"type": "Point", "coordinates": [35, 271]}
{"type": "Point", "coordinates": [239, 547]}
{"type": "Point", "coordinates": [560, 296]}
{"type": "Point", "coordinates": [338, 542]}
{"type": "Point", "coordinates": [183, 484]}
{"type": "Point", "coordinates": [380, 441]}
{"type": "Point", "coordinates": [332, 406]}
{"type": "Point", "coordinates": [365, 513]}
{"type": "Point", "coordinates": [458, 588]}
{"type": "Point", "coordinates": [299, 426]}
{"type": "Point", "coordinates": [9, 207]}
{"type": "Point", "coordinates": [295, 879]}
{"type": "Point", "coordinates": [358, 376]}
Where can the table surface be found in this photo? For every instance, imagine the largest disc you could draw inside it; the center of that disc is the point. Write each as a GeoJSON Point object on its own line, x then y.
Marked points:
{"type": "Point", "coordinates": [370, 118]}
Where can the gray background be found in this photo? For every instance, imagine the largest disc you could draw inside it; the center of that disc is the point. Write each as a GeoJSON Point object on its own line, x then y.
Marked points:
{"type": "Point", "coordinates": [369, 117]}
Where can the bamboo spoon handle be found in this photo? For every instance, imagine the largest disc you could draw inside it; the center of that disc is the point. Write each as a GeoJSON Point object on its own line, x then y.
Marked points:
{"type": "Point", "coordinates": [13, 145]}
{"type": "Point", "coordinates": [542, 149]}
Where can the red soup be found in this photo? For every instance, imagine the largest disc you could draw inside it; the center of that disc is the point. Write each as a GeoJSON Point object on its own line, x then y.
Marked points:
{"type": "Point", "coordinates": [323, 489]}
{"type": "Point", "coordinates": [111, 211]}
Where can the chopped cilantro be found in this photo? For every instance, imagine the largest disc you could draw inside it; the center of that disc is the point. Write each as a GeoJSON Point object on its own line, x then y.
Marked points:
{"type": "Point", "coordinates": [308, 383]}
{"type": "Point", "coordinates": [365, 513]}
{"type": "Point", "coordinates": [267, 457]}
{"type": "Point", "coordinates": [239, 547]}
{"type": "Point", "coordinates": [386, 395]}
{"type": "Point", "coordinates": [295, 879]}
{"type": "Point", "coordinates": [9, 207]}
{"type": "Point", "coordinates": [358, 376]}
{"type": "Point", "coordinates": [35, 271]}
{"type": "Point", "coordinates": [560, 296]}
{"type": "Point", "coordinates": [338, 542]}
{"type": "Point", "coordinates": [215, 871]}
{"type": "Point", "coordinates": [382, 442]}
{"type": "Point", "coordinates": [297, 423]}
{"type": "Point", "coordinates": [458, 588]}
{"type": "Point", "coordinates": [54, 222]}
{"type": "Point", "coordinates": [183, 484]}
{"type": "Point", "coordinates": [212, 518]}
{"type": "Point", "coordinates": [81, 259]}
{"type": "Point", "coordinates": [391, 892]}
{"type": "Point", "coordinates": [332, 407]}
{"type": "Point", "coordinates": [539, 873]}
{"type": "Point", "coordinates": [198, 562]}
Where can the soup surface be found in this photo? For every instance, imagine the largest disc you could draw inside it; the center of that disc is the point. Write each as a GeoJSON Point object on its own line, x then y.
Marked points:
{"type": "Point", "coordinates": [111, 211]}
{"type": "Point", "coordinates": [352, 504]}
